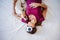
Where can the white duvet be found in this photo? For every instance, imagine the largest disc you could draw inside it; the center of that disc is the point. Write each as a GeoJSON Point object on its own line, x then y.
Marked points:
{"type": "Point", "coordinates": [13, 29]}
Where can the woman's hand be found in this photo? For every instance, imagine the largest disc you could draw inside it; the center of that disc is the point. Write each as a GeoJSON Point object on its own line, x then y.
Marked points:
{"type": "Point", "coordinates": [34, 5]}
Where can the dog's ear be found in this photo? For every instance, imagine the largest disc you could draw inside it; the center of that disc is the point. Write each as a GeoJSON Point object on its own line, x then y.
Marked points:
{"type": "Point", "coordinates": [25, 0]}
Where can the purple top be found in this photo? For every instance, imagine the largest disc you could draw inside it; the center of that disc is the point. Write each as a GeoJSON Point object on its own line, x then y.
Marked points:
{"type": "Point", "coordinates": [37, 12]}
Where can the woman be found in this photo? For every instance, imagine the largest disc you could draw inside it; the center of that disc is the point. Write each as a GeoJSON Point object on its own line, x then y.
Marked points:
{"type": "Point", "coordinates": [35, 12]}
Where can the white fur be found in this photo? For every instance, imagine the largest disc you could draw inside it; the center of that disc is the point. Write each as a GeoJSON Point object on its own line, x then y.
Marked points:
{"type": "Point", "coordinates": [18, 7]}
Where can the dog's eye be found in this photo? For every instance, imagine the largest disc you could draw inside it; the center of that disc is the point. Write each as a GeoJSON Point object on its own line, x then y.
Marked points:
{"type": "Point", "coordinates": [22, 4]}
{"type": "Point", "coordinates": [42, 8]}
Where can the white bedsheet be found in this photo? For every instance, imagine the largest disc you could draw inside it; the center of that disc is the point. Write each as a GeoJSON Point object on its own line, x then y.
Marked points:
{"type": "Point", "coordinates": [13, 29]}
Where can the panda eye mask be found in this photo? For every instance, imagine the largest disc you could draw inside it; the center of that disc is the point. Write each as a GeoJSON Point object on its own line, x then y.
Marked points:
{"type": "Point", "coordinates": [29, 28]}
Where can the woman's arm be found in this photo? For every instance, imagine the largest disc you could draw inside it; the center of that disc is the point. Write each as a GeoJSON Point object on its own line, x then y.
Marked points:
{"type": "Point", "coordinates": [34, 5]}
{"type": "Point", "coordinates": [44, 10]}
{"type": "Point", "coordinates": [44, 6]}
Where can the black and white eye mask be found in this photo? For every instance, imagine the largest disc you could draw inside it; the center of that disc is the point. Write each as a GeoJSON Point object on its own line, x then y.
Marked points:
{"type": "Point", "coordinates": [28, 28]}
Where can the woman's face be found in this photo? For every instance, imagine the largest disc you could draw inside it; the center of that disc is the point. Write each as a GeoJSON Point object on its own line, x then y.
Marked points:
{"type": "Point", "coordinates": [32, 17]}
